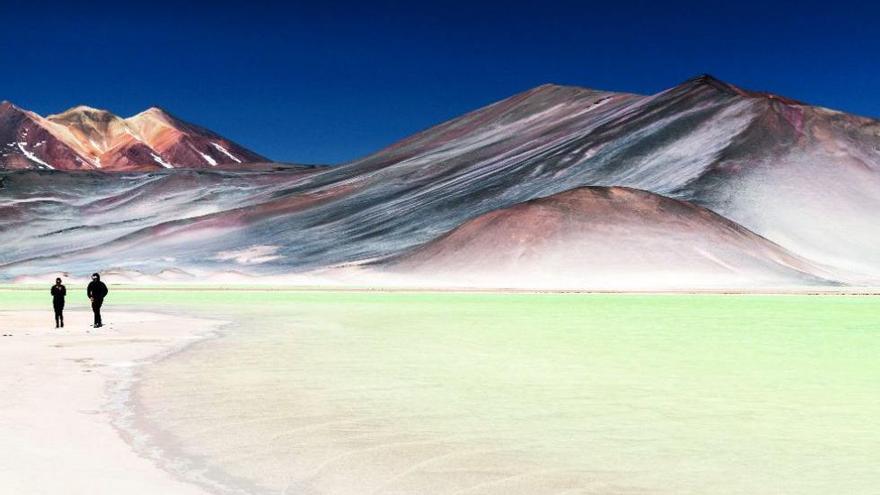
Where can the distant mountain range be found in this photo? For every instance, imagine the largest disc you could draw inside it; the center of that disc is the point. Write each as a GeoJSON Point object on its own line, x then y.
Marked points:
{"type": "Point", "coordinates": [704, 185]}
{"type": "Point", "coordinates": [85, 138]}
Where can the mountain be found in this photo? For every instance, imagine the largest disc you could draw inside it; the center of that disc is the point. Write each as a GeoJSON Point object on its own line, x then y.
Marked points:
{"type": "Point", "coordinates": [85, 138]}
{"type": "Point", "coordinates": [804, 179]}
{"type": "Point", "coordinates": [618, 238]}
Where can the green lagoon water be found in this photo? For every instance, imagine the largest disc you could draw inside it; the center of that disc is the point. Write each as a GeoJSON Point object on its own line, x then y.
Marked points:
{"type": "Point", "coordinates": [325, 392]}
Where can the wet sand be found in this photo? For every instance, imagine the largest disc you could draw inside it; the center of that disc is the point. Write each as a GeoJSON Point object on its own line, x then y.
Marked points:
{"type": "Point", "coordinates": [60, 390]}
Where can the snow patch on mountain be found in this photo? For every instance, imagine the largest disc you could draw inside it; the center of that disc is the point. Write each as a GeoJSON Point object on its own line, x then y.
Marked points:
{"type": "Point", "coordinates": [32, 157]}
{"type": "Point", "coordinates": [207, 157]}
{"type": "Point", "coordinates": [160, 161]}
{"type": "Point", "coordinates": [223, 150]}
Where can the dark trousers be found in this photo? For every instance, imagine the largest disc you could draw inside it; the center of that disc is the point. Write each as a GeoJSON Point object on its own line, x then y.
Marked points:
{"type": "Point", "coordinates": [59, 313]}
{"type": "Point", "coordinates": [96, 308]}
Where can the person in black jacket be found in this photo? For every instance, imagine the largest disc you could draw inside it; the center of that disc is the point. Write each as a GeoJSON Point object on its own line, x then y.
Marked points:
{"type": "Point", "coordinates": [97, 291]}
{"type": "Point", "coordinates": [58, 292]}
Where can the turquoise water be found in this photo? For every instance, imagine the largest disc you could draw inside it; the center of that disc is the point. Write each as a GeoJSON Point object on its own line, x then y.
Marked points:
{"type": "Point", "coordinates": [321, 392]}
{"type": "Point", "coordinates": [491, 393]}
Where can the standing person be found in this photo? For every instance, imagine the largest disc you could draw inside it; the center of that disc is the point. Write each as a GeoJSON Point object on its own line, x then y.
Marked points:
{"type": "Point", "coordinates": [58, 292]}
{"type": "Point", "coordinates": [97, 291]}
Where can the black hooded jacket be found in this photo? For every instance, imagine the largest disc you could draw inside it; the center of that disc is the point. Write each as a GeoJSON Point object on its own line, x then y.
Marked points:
{"type": "Point", "coordinates": [97, 290]}
{"type": "Point", "coordinates": [58, 293]}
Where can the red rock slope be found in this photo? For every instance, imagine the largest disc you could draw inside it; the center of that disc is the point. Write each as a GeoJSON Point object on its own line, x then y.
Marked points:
{"type": "Point", "coordinates": [85, 138]}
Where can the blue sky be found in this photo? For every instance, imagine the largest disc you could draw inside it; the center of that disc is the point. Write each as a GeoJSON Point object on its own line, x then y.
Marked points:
{"type": "Point", "coordinates": [326, 82]}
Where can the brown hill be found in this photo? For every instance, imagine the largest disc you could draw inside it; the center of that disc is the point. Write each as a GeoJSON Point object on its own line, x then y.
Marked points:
{"type": "Point", "coordinates": [604, 237]}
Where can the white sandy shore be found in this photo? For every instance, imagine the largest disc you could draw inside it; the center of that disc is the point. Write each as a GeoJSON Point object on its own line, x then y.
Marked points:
{"type": "Point", "coordinates": [56, 434]}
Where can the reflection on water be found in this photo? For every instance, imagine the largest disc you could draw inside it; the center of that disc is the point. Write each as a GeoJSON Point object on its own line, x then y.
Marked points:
{"type": "Point", "coordinates": [508, 394]}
